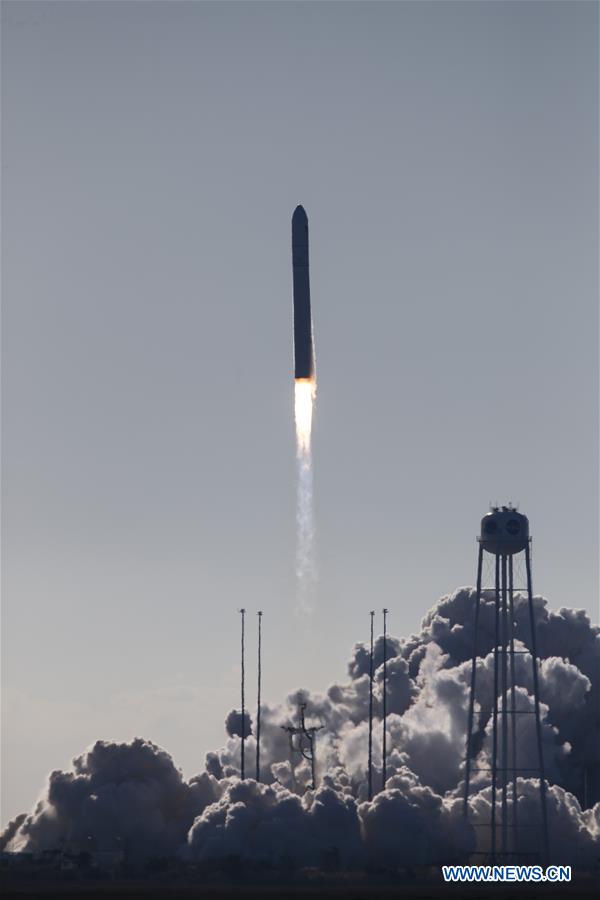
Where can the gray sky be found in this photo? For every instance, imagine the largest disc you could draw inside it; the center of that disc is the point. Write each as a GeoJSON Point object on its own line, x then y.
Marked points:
{"type": "Point", "coordinates": [153, 154]}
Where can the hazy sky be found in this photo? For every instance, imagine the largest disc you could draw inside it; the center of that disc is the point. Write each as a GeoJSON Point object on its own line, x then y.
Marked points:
{"type": "Point", "coordinates": [153, 153]}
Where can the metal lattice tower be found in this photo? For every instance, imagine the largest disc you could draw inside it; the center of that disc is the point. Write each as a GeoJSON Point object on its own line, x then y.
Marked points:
{"type": "Point", "coordinates": [504, 535]}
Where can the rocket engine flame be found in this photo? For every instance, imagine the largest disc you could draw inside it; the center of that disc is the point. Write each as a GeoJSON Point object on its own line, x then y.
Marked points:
{"type": "Point", "coordinates": [305, 396]}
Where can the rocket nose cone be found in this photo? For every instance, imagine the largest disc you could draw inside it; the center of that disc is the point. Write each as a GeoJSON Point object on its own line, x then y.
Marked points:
{"type": "Point", "coordinates": [299, 226]}
{"type": "Point", "coordinates": [299, 215]}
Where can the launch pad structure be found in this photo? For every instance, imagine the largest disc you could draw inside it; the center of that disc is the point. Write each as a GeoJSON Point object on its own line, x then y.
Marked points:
{"type": "Point", "coordinates": [505, 536]}
{"type": "Point", "coordinates": [305, 743]}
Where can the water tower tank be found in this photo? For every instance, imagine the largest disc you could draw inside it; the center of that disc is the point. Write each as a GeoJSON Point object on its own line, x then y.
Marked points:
{"type": "Point", "coordinates": [504, 531]}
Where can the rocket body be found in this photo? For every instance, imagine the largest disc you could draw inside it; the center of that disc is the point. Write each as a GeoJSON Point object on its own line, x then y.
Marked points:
{"type": "Point", "coordinates": [304, 362]}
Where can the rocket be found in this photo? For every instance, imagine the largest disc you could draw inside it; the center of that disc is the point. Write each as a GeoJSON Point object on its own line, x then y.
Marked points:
{"type": "Point", "coordinates": [304, 361]}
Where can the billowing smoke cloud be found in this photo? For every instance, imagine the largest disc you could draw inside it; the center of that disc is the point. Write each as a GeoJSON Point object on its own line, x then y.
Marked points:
{"type": "Point", "coordinates": [132, 797]}
{"type": "Point", "coordinates": [233, 723]}
{"type": "Point", "coordinates": [118, 797]}
{"type": "Point", "coordinates": [411, 824]}
{"type": "Point", "coordinates": [270, 823]}
{"type": "Point", "coordinates": [10, 830]}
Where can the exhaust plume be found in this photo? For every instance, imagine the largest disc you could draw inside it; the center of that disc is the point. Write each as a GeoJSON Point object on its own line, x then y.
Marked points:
{"type": "Point", "coordinates": [306, 573]}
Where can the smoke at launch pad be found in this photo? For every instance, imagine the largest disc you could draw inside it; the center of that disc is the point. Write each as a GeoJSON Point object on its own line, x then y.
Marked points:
{"type": "Point", "coordinates": [132, 795]}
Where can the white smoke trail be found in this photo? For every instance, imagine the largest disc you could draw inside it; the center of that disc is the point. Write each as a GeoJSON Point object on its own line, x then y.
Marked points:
{"type": "Point", "coordinates": [306, 570]}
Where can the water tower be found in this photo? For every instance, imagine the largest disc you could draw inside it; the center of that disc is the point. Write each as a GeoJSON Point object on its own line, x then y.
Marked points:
{"type": "Point", "coordinates": [505, 538]}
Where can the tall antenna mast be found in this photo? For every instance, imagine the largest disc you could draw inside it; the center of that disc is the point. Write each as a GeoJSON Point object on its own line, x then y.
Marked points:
{"type": "Point", "coordinates": [258, 694]}
{"type": "Point", "coordinates": [370, 769]}
{"type": "Point", "coordinates": [242, 765]}
{"type": "Point", "coordinates": [384, 753]}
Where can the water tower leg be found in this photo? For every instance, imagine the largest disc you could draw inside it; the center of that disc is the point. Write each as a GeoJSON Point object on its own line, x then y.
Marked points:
{"type": "Point", "coordinates": [384, 704]}
{"type": "Point", "coordinates": [495, 712]}
{"type": "Point", "coordinates": [536, 699]}
{"type": "Point", "coordinates": [513, 702]}
{"type": "Point", "coordinates": [371, 670]}
{"type": "Point", "coordinates": [473, 674]}
{"type": "Point", "coordinates": [504, 723]}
